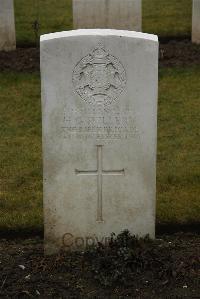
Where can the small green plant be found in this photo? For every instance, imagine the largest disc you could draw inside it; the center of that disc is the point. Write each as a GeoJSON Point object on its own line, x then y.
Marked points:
{"type": "Point", "coordinates": [36, 28]}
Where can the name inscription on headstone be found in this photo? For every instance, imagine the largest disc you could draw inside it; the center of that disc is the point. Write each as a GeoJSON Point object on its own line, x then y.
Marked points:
{"type": "Point", "coordinates": [90, 123]}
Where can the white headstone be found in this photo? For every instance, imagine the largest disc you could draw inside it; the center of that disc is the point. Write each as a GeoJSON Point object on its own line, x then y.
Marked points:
{"type": "Point", "coordinates": [115, 14]}
{"type": "Point", "coordinates": [99, 103]}
{"type": "Point", "coordinates": [7, 26]}
{"type": "Point", "coordinates": [196, 22]}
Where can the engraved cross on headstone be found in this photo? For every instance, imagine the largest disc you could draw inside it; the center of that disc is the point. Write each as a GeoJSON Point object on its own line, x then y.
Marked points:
{"type": "Point", "coordinates": [99, 173]}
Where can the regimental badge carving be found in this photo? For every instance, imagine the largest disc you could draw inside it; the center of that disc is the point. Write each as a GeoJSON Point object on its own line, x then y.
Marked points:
{"type": "Point", "coordinates": [99, 78]}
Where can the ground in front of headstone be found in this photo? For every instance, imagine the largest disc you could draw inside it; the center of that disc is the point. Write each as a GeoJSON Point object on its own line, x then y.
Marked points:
{"type": "Point", "coordinates": [168, 267]}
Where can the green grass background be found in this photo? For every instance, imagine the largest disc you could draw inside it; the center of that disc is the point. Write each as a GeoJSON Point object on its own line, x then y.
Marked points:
{"type": "Point", "coordinates": [178, 165]}
{"type": "Point", "coordinates": [163, 17]}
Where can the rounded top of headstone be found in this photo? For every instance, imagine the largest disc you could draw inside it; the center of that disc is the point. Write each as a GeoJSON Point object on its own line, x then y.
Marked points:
{"type": "Point", "coordinates": [99, 32]}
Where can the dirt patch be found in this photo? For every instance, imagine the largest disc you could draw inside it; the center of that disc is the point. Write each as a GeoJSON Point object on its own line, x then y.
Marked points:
{"type": "Point", "coordinates": [20, 60]}
{"type": "Point", "coordinates": [173, 53]}
{"type": "Point", "coordinates": [182, 53]}
{"type": "Point", "coordinates": [128, 268]}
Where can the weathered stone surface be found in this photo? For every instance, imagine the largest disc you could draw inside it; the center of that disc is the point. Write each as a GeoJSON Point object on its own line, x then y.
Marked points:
{"type": "Point", "coordinates": [99, 103]}
{"type": "Point", "coordinates": [115, 14]}
{"type": "Point", "coordinates": [196, 22]}
{"type": "Point", "coordinates": [7, 26]}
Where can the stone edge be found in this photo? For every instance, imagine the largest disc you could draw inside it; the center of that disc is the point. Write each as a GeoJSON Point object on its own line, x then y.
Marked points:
{"type": "Point", "coordinates": [99, 32]}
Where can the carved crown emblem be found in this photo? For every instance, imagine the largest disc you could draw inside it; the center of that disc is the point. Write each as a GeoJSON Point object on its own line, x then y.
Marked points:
{"type": "Point", "coordinates": [99, 78]}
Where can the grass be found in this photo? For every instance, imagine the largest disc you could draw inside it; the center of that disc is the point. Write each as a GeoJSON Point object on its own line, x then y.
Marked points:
{"type": "Point", "coordinates": [178, 152]}
{"type": "Point", "coordinates": [20, 152]}
{"type": "Point", "coordinates": [52, 16]}
{"type": "Point", "coordinates": [167, 18]}
{"type": "Point", "coordinates": [21, 155]}
{"type": "Point", "coordinates": [162, 17]}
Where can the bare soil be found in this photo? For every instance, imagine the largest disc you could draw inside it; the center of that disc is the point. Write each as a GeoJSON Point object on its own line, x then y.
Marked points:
{"type": "Point", "coordinates": [172, 53]}
{"type": "Point", "coordinates": [20, 60]}
{"type": "Point", "coordinates": [168, 267]}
